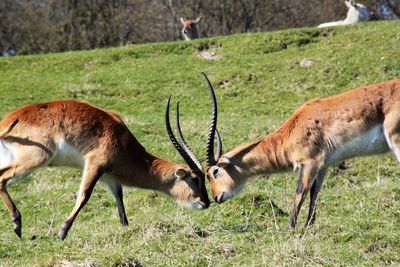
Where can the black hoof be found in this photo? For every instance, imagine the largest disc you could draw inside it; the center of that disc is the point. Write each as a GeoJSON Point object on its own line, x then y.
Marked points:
{"type": "Point", "coordinates": [124, 223]}
{"type": "Point", "coordinates": [17, 224]}
{"type": "Point", "coordinates": [310, 223]}
{"type": "Point", "coordinates": [18, 231]}
{"type": "Point", "coordinates": [62, 235]}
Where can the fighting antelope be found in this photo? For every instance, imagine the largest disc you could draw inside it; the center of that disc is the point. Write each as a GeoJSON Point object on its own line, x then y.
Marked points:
{"type": "Point", "coordinates": [356, 13]}
{"type": "Point", "coordinates": [322, 132]}
{"type": "Point", "coordinates": [76, 134]}
{"type": "Point", "coordinates": [189, 30]}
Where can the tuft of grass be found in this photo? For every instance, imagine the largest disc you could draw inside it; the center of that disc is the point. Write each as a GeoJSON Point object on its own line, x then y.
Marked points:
{"type": "Point", "coordinates": [259, 82]}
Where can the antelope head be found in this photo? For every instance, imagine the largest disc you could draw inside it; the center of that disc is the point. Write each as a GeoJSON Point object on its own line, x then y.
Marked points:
{"type": "Point", "coordinates": [189, 189]}
{"type": "Point", "coordinates": [189, 30]}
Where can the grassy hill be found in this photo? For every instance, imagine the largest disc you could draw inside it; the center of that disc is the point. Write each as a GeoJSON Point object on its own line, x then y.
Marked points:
{"type": "Point", "coordinates": [259, 81]}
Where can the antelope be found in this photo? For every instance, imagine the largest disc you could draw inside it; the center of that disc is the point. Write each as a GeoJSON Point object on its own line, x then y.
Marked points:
{"type": "Point", "coordinates": [356, 13]}
{"type": "Point", "coordinates": [189, 30]}
{"type": "Point", "coordinates": [76, 134]}
{"type": "Point", "coordinates": [321, 132]}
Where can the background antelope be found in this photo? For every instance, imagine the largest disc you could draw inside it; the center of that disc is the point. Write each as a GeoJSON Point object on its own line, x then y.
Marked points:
{"type": "Point", "coordinates": [190, 30]}
{"type": "Point", "coordinates": [356, 13]}
{"type": "Point", "coordinates": [76, 134]}
{"type": "Point", "coordinates": [363, 121]}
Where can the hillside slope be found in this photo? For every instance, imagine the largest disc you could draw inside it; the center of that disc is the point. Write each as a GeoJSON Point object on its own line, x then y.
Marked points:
{"type": "Point", "coordinates": [259, 79]}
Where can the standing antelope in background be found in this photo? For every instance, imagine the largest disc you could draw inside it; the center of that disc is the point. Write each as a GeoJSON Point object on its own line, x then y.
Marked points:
{"type": "Point", "coordinates": [322, 132]}
{"type": "Point", "coordinates": [76, 134]}
{"type": "Point", "coordinates": [356, 13]}
{"type": "Point", "coordinates": [190, 30]}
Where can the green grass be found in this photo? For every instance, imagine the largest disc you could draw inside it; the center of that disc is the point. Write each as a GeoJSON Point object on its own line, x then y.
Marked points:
{"type": "Point", "coordinates": [358, 218]}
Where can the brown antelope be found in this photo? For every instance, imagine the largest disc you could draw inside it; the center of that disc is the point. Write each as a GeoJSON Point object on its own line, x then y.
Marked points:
{"type": "Point", "coordinates": [189, 30]}
{"type": "Point", "coordinates": [76, 134]}
{"type": "Point", "coordinates": [363, 121]}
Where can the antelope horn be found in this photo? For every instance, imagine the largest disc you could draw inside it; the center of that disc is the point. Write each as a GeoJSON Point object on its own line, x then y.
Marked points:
{"type": "Point", "coordinates": [185, 146]}
{"type": "Point", "coordinates": [175, 142]}
{"type": "Point", "coordinates": [213, 127]}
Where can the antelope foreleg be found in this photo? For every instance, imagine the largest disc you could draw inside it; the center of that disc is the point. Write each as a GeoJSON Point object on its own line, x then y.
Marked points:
{"type": "Point", "coordinates": [6, 174]}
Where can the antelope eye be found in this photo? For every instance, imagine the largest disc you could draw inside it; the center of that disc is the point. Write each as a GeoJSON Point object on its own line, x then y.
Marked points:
{"type": "Point", "coordinates": [185, 31]}
{"type": "Point", "coordinates": [215, 172]}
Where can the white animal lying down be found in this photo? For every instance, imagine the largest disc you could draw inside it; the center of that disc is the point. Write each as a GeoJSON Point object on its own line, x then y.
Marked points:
{"type": "Point", "coordinates": [356, 13]}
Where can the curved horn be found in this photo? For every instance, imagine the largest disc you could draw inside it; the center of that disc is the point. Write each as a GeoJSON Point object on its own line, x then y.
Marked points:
{"type": "Point", "coordinates": [185, 146]}
{"type": "Point", "coordinates": [213, 125]}
{"type": "Point", "coordinates": [176, 144]}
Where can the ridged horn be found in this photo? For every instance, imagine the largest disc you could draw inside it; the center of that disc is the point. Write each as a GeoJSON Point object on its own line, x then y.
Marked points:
{"type": "Point", "coordinates": [193, 166]}
{"type": "Point", "coordinates": [185, 146]}
{"type": "Point", "coordinates": [210, 157]}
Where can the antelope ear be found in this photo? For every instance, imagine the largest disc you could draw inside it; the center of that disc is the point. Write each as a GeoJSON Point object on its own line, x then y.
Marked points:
{"type": "Point", "coordinates": [181, 173]}
{"type": "Point", "coordinates": [223, 162]}
{"type": "Point", "coordinates": [182, 20]}
{"type": "Point", "coordinates": [197, 20]}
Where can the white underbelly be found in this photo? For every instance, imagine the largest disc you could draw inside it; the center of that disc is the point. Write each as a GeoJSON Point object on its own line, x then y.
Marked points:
{"type": "Point", "coordinates": [371, 142]}
{"type": "Point", "coordinates": [6, 154]}
{"type": "Point", "coordinates": [66, 155]}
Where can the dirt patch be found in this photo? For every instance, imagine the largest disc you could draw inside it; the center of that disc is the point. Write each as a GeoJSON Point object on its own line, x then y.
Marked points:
{"type": "Point", "coordinates": [306, 63]}
{"type": "Point", "coordinates": [208, 55]}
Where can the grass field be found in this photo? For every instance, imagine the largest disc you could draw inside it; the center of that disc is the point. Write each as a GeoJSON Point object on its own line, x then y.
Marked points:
{"type": "Point", "coordinates": [258, 84]}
